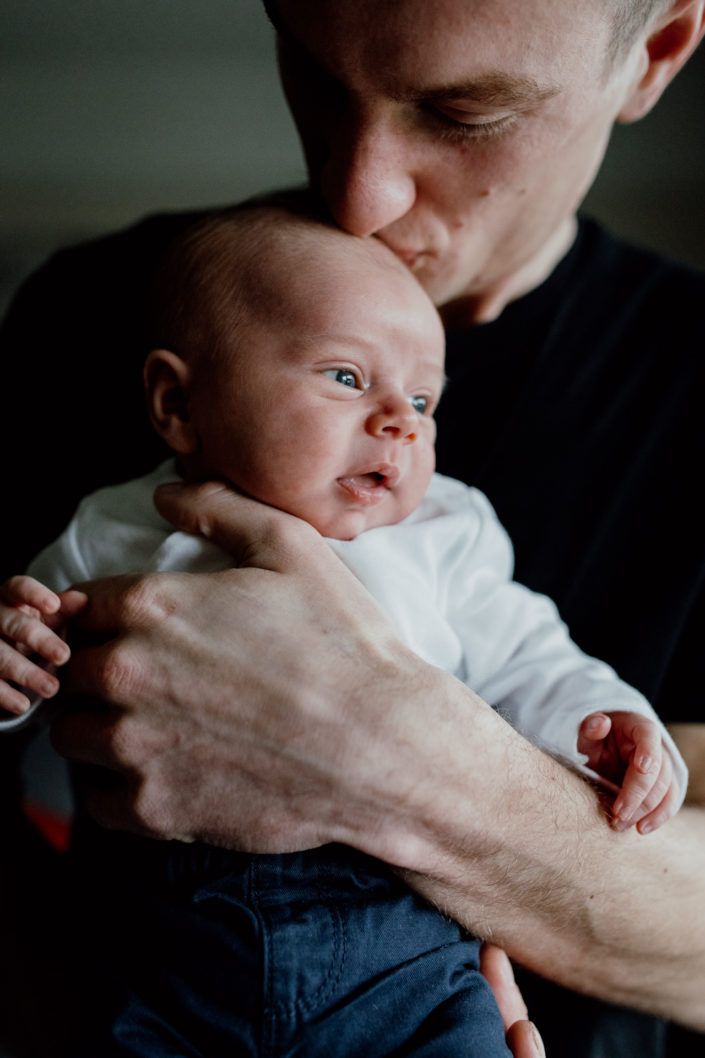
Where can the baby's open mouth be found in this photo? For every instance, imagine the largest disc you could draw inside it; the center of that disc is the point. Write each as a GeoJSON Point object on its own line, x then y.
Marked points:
{"type": "Point", "coordinates": [370, 486]}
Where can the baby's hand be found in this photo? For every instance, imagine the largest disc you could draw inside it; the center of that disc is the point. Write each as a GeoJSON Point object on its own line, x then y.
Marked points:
{"type": "Point", "coordinates": [30, 615]}
{"type": "Point", "coordinates": [627, 749]}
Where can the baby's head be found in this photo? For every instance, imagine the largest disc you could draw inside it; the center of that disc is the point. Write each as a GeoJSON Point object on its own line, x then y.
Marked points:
{"type": "Point", "coordinates": [299, 363]}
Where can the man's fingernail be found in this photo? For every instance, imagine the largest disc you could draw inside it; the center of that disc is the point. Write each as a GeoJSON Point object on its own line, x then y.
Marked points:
{"type": "Point", "coordinates": [540, 1050]}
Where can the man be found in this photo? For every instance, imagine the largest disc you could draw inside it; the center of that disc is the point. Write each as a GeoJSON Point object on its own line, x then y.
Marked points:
{"type": "Point", "coordinates": [464, 134]}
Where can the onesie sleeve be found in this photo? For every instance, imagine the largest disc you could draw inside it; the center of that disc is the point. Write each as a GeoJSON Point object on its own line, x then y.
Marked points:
{"type": "Point", "coordinates": [519, 656]}
{"type": "Point", "coordinates": [114, 530]}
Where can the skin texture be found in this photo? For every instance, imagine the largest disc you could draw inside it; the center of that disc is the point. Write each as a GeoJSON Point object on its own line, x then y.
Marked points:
{"type": "Point", "coordinates": [360, 741]}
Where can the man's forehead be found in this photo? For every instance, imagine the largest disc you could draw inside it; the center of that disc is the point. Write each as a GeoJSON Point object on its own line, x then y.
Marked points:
{"type": "Point", "coordinates": [496, 51]}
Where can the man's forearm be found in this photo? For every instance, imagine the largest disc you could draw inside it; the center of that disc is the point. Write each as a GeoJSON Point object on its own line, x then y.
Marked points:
{"type": "Point", "coordinates": [540, 872]}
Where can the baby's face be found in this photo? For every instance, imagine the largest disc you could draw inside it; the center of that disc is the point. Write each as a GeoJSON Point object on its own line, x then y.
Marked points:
{"type": "Point", "coordinates": [326, 407]}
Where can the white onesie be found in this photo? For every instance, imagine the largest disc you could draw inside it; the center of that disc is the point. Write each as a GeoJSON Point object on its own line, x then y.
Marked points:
{"type": "Point", "coordinates": [442, 577]}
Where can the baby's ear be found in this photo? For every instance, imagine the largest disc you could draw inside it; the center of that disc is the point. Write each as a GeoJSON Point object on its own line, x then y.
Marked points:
{"type": "Point", "coordinates": [167, 381]}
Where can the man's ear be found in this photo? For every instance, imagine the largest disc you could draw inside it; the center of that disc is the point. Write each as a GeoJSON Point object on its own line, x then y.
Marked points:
{"type": "Point", "coordinates": [668, 42]}
{"type": "Point", "coordinates": [167, 380]}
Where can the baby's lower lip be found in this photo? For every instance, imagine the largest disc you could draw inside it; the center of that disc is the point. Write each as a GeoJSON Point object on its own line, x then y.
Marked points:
{"type": "Point", "coordinates": [365, 489]}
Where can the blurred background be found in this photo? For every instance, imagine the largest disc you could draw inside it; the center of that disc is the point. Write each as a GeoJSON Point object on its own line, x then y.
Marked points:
{"type": "Point", "coordinates": [112, 109]}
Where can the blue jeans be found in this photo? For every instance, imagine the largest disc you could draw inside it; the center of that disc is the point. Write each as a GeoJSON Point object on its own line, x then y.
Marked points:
{"type": "Point", "coordinates": [322, 954]}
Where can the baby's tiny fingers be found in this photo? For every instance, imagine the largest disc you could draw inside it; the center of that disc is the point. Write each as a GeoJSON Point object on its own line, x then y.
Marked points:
{"type": "Point", "coordinates": [21, 670]}
{"type": "Point", "coordinates": [594, 728]}
{"type": "Point", "coordinates": [658, 791]}
{"type": "Point", "coordinates": [12, 700]}
{"type": "Point", "coordinates": [648, 747]}
{"type": "Point", "coordinates": [22, 590]}
{"type": "Point", "coordinates": [32, 634]}
{"type": "Point", "coordinates": [637, 786]}
{"type": "Point", "coordinates": [662, 813]}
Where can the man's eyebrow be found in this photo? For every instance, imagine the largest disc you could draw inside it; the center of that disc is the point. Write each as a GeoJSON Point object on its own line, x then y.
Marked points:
{"type": "Point", "coordinates": [493, 89]}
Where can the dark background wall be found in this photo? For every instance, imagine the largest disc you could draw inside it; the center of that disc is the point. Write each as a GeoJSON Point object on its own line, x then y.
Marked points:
{"type": "Point", "coordinates": [110, 109]}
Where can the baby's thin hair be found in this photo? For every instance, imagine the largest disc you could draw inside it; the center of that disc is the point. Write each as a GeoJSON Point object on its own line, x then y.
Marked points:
{"type": "Point", "coordinates": [208, 282]}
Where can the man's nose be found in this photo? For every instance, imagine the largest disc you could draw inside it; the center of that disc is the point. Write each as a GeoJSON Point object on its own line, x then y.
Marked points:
{"type": "Point", "coordinates": [368, 178]}
{"type": "Point", "coordinates": [394, 418]}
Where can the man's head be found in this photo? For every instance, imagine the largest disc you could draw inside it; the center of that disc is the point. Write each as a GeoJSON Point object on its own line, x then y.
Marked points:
{"type": "Point", "coordinates": [466, 132]}
{"type": "Point", "coordinates": [301, 364]}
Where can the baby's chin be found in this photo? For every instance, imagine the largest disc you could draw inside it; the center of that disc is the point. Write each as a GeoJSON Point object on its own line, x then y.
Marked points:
{"type": "Point", "coordinates": [351, 524]}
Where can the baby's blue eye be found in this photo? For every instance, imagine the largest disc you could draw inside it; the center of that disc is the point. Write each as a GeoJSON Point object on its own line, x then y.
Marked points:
{"type": "Point", "coordinates": [344, 376]}
{"type": "Point", "coordinates": [419, 404]}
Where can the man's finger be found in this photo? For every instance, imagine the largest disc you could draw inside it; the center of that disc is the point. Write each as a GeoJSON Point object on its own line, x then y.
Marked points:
{"type": "Point", "coordinates": [254, 533]}
{"type": "Point", "coordinates": [524, 1041]}
{"type": "Point", "coordinates": [523, 1038]}
{"type": "Point", "coordinates": [86, 737]}
{"type": "Point", "coordinates": [496, 968]}
{"type": "Point", "coordinates": [72, 602]}
{"type": "Point", "coordinates": [108, 603]}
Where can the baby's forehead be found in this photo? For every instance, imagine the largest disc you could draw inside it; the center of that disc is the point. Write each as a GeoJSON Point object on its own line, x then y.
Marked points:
{"type": "Point", "coordinates": [284, 270]}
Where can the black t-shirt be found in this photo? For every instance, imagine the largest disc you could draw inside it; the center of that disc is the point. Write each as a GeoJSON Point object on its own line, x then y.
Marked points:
{"type": "Point", "coordinates": [579, 413]}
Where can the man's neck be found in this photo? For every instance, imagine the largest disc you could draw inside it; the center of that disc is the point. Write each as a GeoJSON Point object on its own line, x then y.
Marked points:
{"type": "Point", "coordinates": [488, 304]}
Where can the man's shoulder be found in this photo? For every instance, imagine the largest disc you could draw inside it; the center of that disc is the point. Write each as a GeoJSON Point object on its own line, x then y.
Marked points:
{"type": "Point", "coordinates": [112, 262]}
{"type": "Point", "coordinates": [637, 271]}
{"type": "Point", "coordinates": [152, 231]}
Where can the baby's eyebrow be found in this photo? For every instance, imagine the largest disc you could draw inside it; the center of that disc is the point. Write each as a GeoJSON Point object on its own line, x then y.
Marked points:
{"type": "Point", "coordinates": [430, 365]}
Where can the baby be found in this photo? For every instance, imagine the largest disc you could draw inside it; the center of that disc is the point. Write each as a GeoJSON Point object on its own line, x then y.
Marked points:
{"type": "Point", "coordinates": [303, 366]}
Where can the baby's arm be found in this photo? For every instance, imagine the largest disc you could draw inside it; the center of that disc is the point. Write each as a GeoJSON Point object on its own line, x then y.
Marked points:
{"type": "Point", "coordinates": [31, 617]}
{"type": "Point", "coordinates": [628, 750]}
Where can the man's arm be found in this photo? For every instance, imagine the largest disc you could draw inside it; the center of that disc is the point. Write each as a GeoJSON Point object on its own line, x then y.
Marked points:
{"type": "Point", "coordinates": [271, 708]}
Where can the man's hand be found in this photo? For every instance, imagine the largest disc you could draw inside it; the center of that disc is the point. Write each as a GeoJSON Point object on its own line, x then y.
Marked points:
{"type": "Point", "coordinates": [253, 708]}
{"type": "Point", "coordinates": [523, 1038]}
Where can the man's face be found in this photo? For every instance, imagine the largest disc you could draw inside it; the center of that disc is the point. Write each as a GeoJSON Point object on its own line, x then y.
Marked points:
{"type": "Point", "coordinates": [325, 408]}
{"type": "Point", "coordinates": [463, 132]}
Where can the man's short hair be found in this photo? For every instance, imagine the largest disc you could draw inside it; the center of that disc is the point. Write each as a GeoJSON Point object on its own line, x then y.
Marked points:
{"type": "Point", "coordinates": [628, 18]}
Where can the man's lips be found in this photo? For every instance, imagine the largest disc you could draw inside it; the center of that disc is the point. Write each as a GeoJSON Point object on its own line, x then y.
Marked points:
{"type": "Point", "coordinates": [369, 485]}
